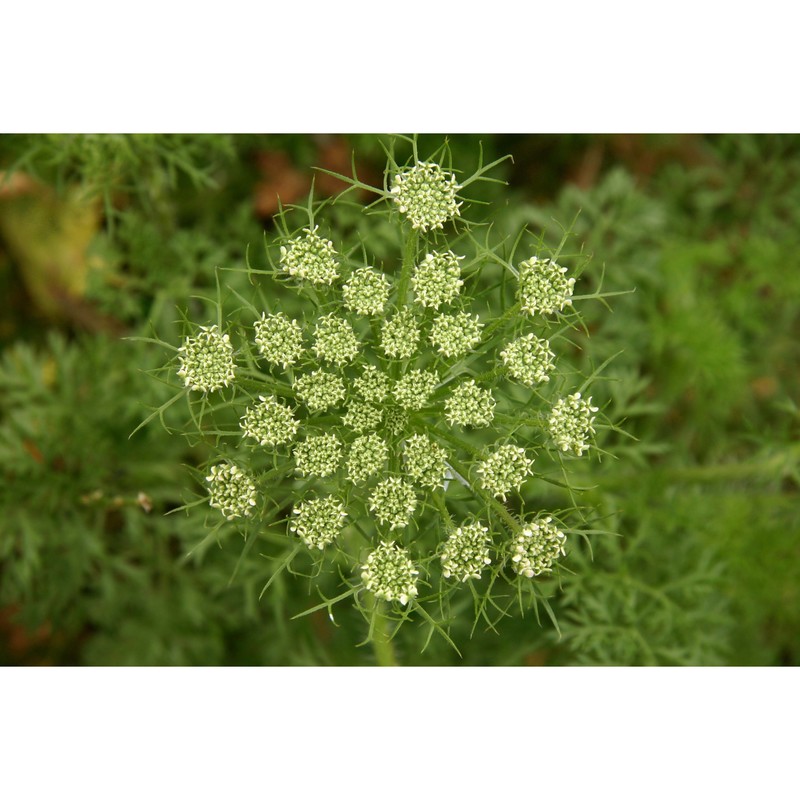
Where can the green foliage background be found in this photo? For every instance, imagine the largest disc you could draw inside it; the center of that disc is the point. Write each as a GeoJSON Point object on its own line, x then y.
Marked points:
{"type": "Point", "coordinates": [103, 237]}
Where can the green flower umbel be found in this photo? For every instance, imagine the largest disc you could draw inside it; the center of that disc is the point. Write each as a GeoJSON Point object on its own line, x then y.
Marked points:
{"type": "Point", "coordinates": [279, 339]}
{"type": "Point", "coordinates": [425, 461]}
{"type": "Point", "coordinates": [466, 552]}
{"type": "Point", "coordinates": [319, 521]}
{"type": "Point", "coordinates": [572, 423]}
{"type": "Point", "coordinates": [426, 194]}
{"type": "Point", "coordinates": [335, 340]}
{"type": "Point", "coordinates": [206, 360]}
{"type": "Point", "coordinates": [367, 457]}
{"type": "Point", "coordinates": [543, 289]}
{"type": "Point", "coordinates": [231, 490]}
{"type": "Point", "coordinates": [320, 390]}
{"type": "Point", "coordinates": [390, 574]}
{"type": "Point", "coordinates": [310, 258]}
{"type": "Point", "coordinates": [529, 359]}
{"type": "Point", "coordinates": [504, 469]}
{"type": "Point", "coordinates": [393, 501]}
{"type": "Point", "coordinates": [469, 404]}
{"type": "Point", "coordinates": [366, 292]}
{"type": "Point", "coordinates": [318, 455]}
{"type": "Point", "coordinates": [269, 422]}
{"type": "Point", "coordinates": [536, 547]}
{"type": "Point", "coordinates": [437, 279]}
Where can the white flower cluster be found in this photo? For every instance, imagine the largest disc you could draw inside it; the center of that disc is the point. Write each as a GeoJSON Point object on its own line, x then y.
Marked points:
{"type": "Point", "coordinates": [318, 521]}
{"type": "Point", "coordinates": [206, 360]}
{"type": "Point", "coordinates": [269, 422]}
{"type": "Point", "coordinates": [572, 423]}
{"type": "Point", "coordinates": [362, 416]}
{"type": "Point", "coordinates": [390, 574]}
{"type": "Point", "coordinates": [279, 339]}
{"type": "Point", "coordinates": [231, 490]}
{"type": "Point", "coordinates": [320, 390]}
{"type": "Point", "coordinates": [310, 258]}
{"type": "Point", "coordinates": [372, 384]}
{"type": "Point", "coordinates": [393, 501]}
{"type": "Point", "coordinates": [414, 388]}
{"type": "Point", "coordinates": [318, 455]}
{"type": "Point", "coordinates": [367, 457]}
{"type": "Point", "coordinates": [335, 340]}
{"type": "Point", "coordinates": [504, 469]}
{"type": "Point", "coordinates": [543, 288]}
{"type": "Point", "coordinates": [426, 194]}
{"type": "Point", "coordinates": [536, 547]}
{"type": "Point", "coordinates": [469, 404]}
{"type": "Point", "coordinates": [379, 376]}
{"type": "Point", "coordinates": [455, 334]}
{"type": "Point", "coordinates": [437, 279]}
{"type": "Point", "coordinates": [367, 292]}
{"type": "Point", "coordinates": [425, 461]}
{"type": "Point", "coordinates": [400, 335]}
{"type": "Point", "coordinates": [529, 359]}
{"type": "Point", "coordinates": [466, 552]}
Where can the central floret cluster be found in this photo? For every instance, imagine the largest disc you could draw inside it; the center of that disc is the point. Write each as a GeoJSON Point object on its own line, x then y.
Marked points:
{"type": "Point", "coordinates": [379, 398]}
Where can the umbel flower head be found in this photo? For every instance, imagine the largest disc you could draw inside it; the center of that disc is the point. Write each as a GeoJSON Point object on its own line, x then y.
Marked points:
{"type": "Point", "coordinates": [231, 490]}
{"type": "Point", "coordinates": [469, 404]}
{"type": "Point", "coordinates": [206, 360]}
{"type": "Point", "coordinates": [362, 416]}
{"type": "Point", "coordinates": [390, 574]}
{"type": "Point", "coordinates": [269, 422]}
{"type": "Point", "coordinates": [504, 469]}
{"type": "Point", "coordinates": [454, 335]}
{"type": "Point", "coordinates": [367, 457]}
{"type": "Point", "coordinates": [400, 335]}
{"type": "Point", "coordinates": [529, 359]}
{"type": "Point", "coordinates": [414, 388]}
{"type": "Point", "coordinates": [543, 288]}
{"type": "Point", "coordinates": [437, 279]}
{"type": "Point", "coordinates": [466, 552]}
{"type": "Point", "coordinates": [279, 339]}
{"type": "Point", "coordinates": [367, 292]}
{"type": "Point", "coordinates": [425, 461]}
{"type": "Point", "coordinates": [572, 423]}
{"type": "Point", "coordinates": [310, 258]}
{"type": "Point", "coordinates": [372, 384]}
{"type": "Point", "coordinates": [536, 547]}
{"type": "Point", "coordinates": [318, 455]}
{"type": "Point", "coordinates": [336, 341]}
{"type": "Point", "coordinates": [320, 390]}
{"type": "Point", "coordinates": [376, 403]}
{"type": "Point", "coordinates": [393, 501]}
{"type": "Point", "coordinates": [318, 521]}
{"type": "Point", "coordinates": [426, 194]}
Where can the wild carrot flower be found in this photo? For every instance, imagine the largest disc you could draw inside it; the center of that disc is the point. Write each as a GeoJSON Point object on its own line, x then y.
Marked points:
{"type": "Point", "coordinates": [206, 360]}
{"type": "Point", "coordinates": [231, 490]}
{"type": "Point", "coordinates": [318, 521]}
{"type": "Point", "coordinates": [310, 258]}
{"type": "Point", "coordinates": [572, 423]}
{"type": "Point", "coordinates": [466, 552]}
{"type": "Point", "coordinates": [543, 288]}
{"type": "Point", "coordinates": [390, 574]}
{"type": "Point", "coordinates": [536, 547]}
{"type": "Point", "coordinates": [426, 194]}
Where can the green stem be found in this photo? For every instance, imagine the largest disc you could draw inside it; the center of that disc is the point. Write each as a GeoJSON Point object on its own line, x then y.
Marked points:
{"type": "Point", "coordinates": [409, 259]}
{"type": "Point", "coordinates": [381, 642]}
{"type": "Point", "coordinates": [501, 322]}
